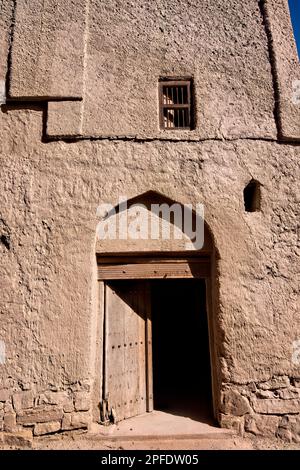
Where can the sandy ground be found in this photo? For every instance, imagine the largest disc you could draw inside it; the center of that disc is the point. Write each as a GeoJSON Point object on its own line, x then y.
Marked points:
{"type": "Point", "coordinates": [150, 431]}
{"type": "Point", "coordinates": [84, 441]}
{"type": "Point", "coordinates": [147, 444]}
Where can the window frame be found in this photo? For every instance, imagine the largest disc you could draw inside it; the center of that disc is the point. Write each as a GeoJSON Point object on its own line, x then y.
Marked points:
{"type": "Point", "coordinates": [173, 82]}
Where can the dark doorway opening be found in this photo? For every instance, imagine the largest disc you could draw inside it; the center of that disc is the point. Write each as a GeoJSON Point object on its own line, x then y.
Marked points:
{"type": "Point", "coordinates": [181, 358]}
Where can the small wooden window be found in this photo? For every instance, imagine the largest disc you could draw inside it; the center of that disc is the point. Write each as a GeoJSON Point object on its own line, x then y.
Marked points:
{"type": "Point", "coordinates": [175, 104]}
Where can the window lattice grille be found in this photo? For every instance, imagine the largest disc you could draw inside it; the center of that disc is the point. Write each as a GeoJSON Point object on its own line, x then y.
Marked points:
{"type": "Point", "coordinates": [175, 104]}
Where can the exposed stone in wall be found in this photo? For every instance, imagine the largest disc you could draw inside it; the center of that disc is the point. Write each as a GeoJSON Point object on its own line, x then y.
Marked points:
{"type": "Point", "coordinates": [75, 421]}
{"type": "Point", "coordinates": [235, 404]}
{"type": "Point", "coordinates": [17, 439]}
{"type": "Point", "coordinates": [289, 428]}
{"type": "Point", "coordinates": [245, 409]}
{"type": "Point", "coordinates": [261, 425]}
{"type": "Point", "coordinates": [47, 428]}
{"type": "Point", "coordinates": [4, 395]}
{"type": "Point", "coordinates": [9, 421]}
{"type": "Point", "coordinates": [39, 415]}
{"type": "Point", "coordinates": [271, 409]}
{"type": "Point", "coordinates": [81, 401]}
{"type": "Point", "coordinates": [22, 400]}
{"type": "Point", "coordinates": [46, 412]}
{"type": "Point", "coordinates": [280, 382]}
{"type": "Point", "coordinates": [233, 422]}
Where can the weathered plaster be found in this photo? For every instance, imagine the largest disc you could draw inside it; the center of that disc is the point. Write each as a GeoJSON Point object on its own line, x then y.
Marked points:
{"type": "Point", "coordinates": [49, 319]}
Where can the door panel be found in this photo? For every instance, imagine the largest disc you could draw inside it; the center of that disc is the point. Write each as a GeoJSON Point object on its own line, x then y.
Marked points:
{"type": "Point", "coordinates": [126, 382]}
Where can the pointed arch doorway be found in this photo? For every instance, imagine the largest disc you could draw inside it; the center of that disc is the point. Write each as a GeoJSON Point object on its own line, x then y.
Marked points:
{"type": "Point", "coordinates": [158, 348]}
{"type": "Point", "coordinates": [157, 351]}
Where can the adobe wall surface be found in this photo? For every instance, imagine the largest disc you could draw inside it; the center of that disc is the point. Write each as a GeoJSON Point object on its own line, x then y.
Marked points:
{"type": "Point", "coordinates": [49, 316]}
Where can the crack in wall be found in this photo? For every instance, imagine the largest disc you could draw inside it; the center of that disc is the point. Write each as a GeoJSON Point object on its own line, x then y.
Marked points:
{"type": "Point", "coordinates": [150, 139]}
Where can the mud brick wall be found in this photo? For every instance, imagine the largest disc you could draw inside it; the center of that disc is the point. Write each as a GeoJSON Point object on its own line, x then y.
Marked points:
{"type": "Point", "coordinates": [79, 127]}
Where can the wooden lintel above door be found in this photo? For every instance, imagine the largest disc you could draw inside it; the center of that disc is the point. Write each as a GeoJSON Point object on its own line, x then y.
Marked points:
{"type": "Point", "coordinates": [153, 268]}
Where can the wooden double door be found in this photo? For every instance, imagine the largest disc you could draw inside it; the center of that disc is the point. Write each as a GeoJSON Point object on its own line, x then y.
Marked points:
{"type": "Point", "coordinates": [127, 389]}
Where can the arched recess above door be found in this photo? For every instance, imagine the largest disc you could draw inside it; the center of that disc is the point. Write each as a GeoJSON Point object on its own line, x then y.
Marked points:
{"type": "Point", "coordinates": [139, 261]}
{"type": "Point", "coordinates": [167, 226]}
